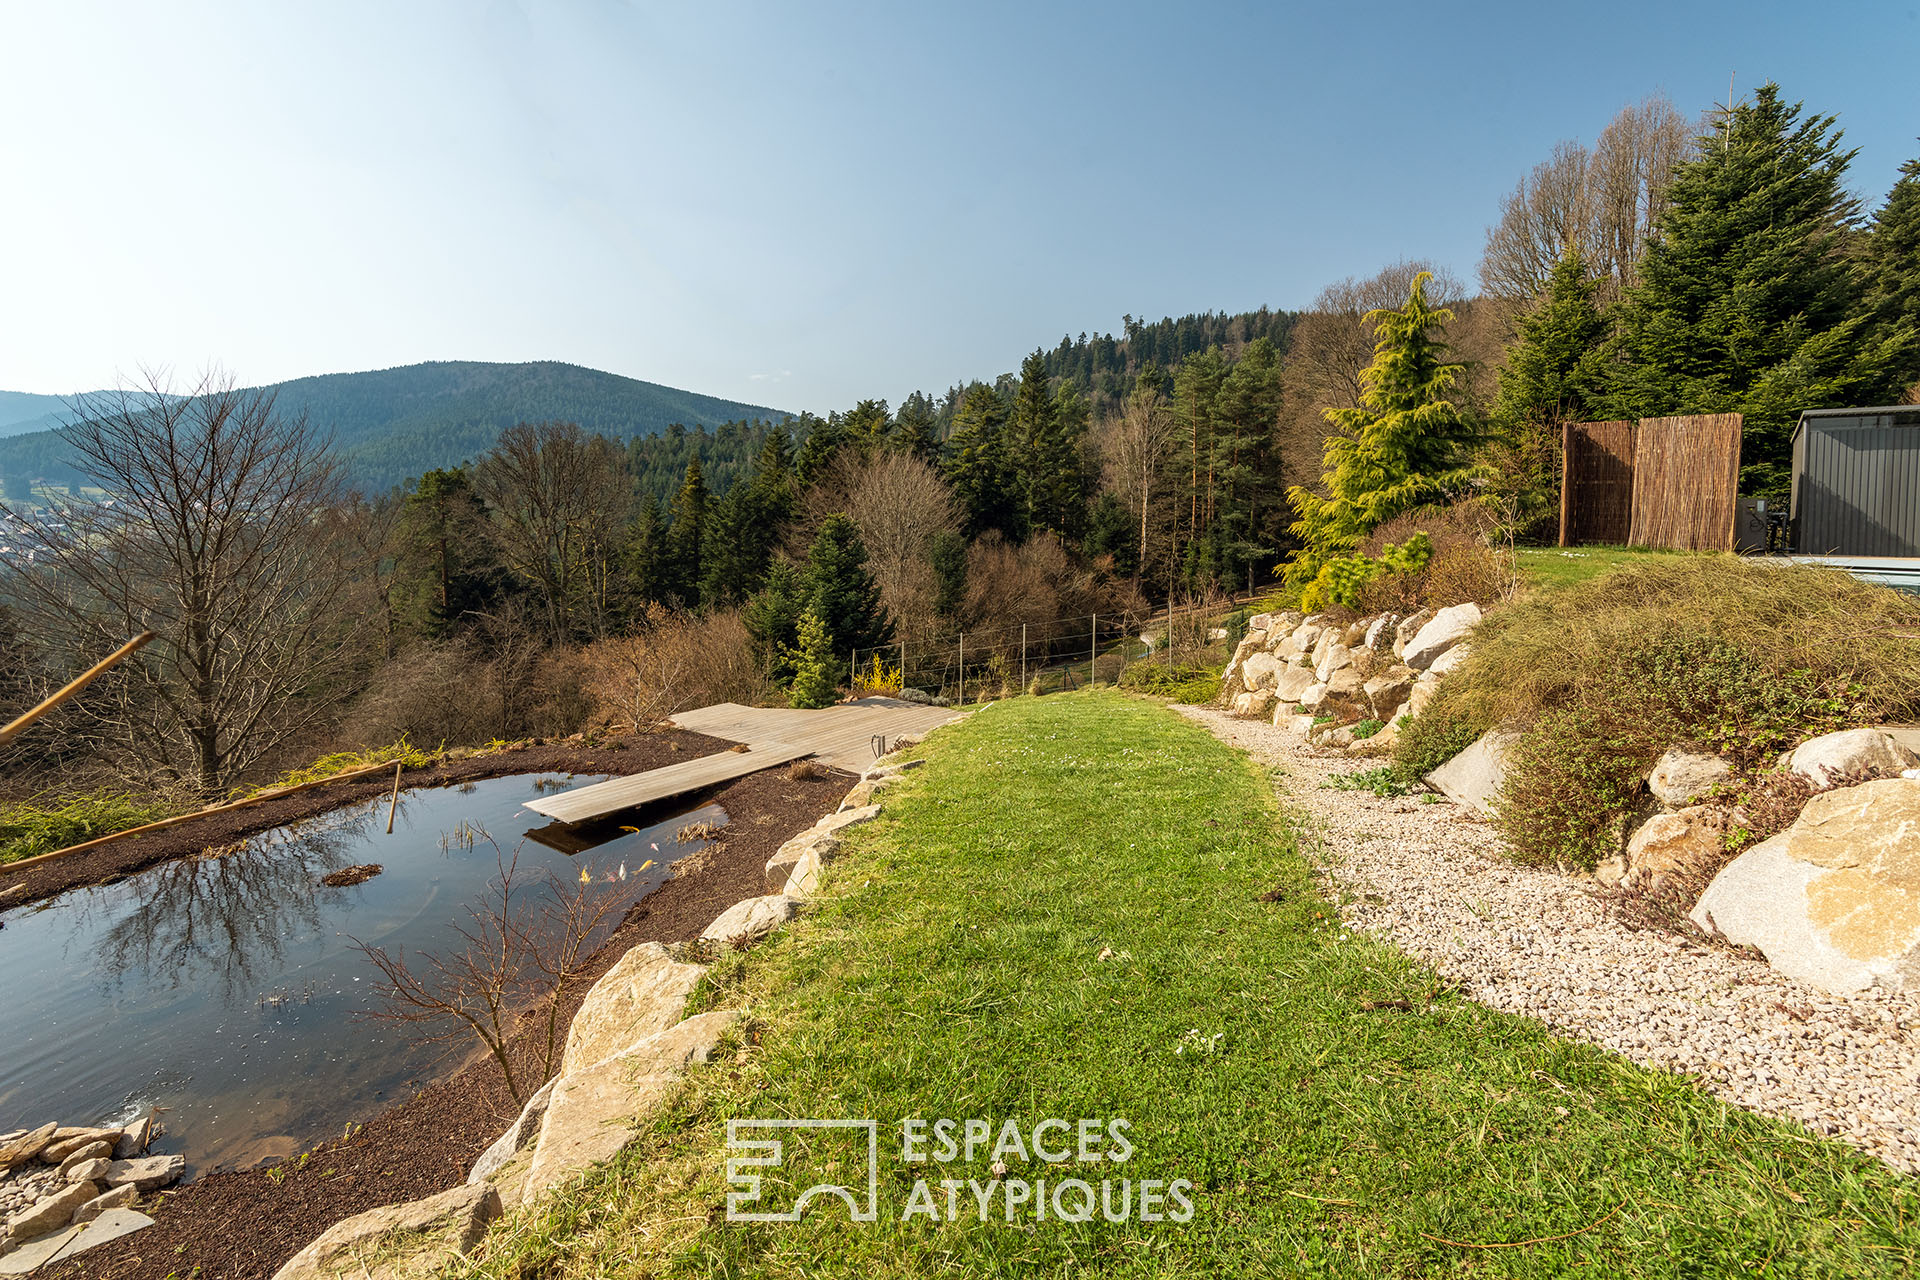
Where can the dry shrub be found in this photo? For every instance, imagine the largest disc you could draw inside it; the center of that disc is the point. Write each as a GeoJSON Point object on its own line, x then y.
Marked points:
{"type": "Point", "coordinates": [675, 661]}
{"type": "Point", "coordinates": [806, 771]}
{"type": "Point", "coordinates": [1465, 565]}
{"type": "Point", "coordinates": [1555, 647]}
{"type": "Point", "coordinates": [431, 693]}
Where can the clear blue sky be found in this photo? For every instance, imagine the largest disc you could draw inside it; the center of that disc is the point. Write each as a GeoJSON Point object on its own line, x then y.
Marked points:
{"type": "Point", "coordinates": [799, 204]}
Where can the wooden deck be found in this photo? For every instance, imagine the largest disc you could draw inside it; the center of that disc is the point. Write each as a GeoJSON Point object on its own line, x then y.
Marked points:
{"type": "Point", "coordinates": [841, 737]}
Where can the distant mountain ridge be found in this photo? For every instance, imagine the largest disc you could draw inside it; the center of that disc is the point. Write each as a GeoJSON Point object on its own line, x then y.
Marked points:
{"type": "Point", "coordinates": [392, 424]}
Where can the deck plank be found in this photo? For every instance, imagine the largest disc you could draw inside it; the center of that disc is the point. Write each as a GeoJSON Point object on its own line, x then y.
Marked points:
{"type": "Point", "coordinates": [840, 737]}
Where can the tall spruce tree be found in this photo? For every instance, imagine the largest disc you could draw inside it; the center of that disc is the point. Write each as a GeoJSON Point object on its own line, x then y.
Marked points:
{"type": "Point", "coordinates": [1890, 264]}
{"type": "Point", "coordinates": [1406, 445]}
{"type": "Point", "coordinates": [680, 566]}
{"type": "Point", "coordinates": [916, 428]}
{"type": "Point", "coordinates": [772, 619]}
{"type": "Point", "coordinates": [1552, 372]}
{"type": "Point", "coordinates": [1747, 302]}
{"type": "Point", "coordinates": [640, 560]}
{"type": "Point", "coordinates": [977, 463]}
{"type": "Point", "coordinates": [841, 590]}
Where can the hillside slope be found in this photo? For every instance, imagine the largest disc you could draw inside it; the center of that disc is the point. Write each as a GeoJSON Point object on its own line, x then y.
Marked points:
{"type": "Point", "coordinates": [391, 424]}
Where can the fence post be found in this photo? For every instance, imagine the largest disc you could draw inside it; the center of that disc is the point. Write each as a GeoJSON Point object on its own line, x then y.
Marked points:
{"type": "Point", "coordinates": [962, 699]}
{"type": "Point", "coordinates": [1023, 657]}
{"type": "Point", "coordinates": [1169, 632]}
{"type": "Point", "coordinates": [903, 666]}
{"type": "Point", "coordinates": [1093, 653]}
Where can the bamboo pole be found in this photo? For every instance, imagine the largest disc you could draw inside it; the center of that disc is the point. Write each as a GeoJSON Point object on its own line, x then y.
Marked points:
{"type": "Point", "coordinates": [1023, 657]}
{"type": "Point", "coordinates": [393, 805]}
{"type": "Point", "coordinates": [179, 818]}
{"type": "Point", "coordinates": [961, 701]}
{"type": "Point", "coordinates": [1093, 653]}
{"type": "Point", "coordinates": [19, 725]}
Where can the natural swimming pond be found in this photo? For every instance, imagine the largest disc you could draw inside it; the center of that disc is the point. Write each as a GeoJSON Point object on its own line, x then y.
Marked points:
{"type": "Point", "coordinates": [228, 990]}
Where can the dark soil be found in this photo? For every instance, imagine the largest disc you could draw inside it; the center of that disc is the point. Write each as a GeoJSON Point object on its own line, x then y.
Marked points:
{"type": "Point", "coordinates": [111, 862]}
{"type": "Point", "coordinates": [244, 1224]}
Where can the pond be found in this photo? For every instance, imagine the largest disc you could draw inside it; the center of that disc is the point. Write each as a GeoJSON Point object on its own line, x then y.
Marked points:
{"type": "Point", "coordinates": [228, 991]}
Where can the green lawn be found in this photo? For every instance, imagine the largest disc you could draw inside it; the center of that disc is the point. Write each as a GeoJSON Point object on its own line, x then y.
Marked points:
{"type": "Point", "coordinates": [1557, 566]}
{"type": "Point", "coordinates": [1065, 916]}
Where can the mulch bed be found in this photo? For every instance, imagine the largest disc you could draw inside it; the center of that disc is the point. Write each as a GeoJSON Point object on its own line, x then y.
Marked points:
{"type": "Point", "coordinates": [244, 1224]}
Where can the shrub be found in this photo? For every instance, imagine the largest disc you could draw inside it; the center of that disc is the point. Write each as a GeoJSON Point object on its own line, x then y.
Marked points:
{"type": "Point", "coordinates": [1554, 647]}
{"type": "Point", "coordinates": [1431, 738]}
{"type": "Point", "coordinates": [816, 681]}
{"type": "Point", "coordinates": [1573, 781]}
{"type": "Point", "coordinates": [1382, 782]}
{"type": "Point", "coordinates": [1367, 728]}
{"type": "Point", "coordinates": [1191, 684]}
{"type": "Point", "coordinates": [327, 766]}
{"type": "Point", "coordinates": [1344, 581]}
{"type": "Point", "coordinates": [30, 828]}
{"type": "Point", "coordinates": [675, 661]}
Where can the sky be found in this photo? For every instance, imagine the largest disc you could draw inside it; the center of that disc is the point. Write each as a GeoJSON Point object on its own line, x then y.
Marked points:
{"type": "Point", "coordinates": [800, 205]}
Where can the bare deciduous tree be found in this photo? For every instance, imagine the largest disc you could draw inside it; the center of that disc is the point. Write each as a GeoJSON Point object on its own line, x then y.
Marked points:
{"type": "Point", "coordinates": [209, 529]}
{"type": "Point", "coordinates": [509, 958]}
{"type": "Point", "coordinates": [559, 498]}
{"type": "Point", "coordinates": [900, 503]}
{"type": "Point", "coordinates": [1133, 449]}
{"type": "Point", "coordinates": [1601, 203]}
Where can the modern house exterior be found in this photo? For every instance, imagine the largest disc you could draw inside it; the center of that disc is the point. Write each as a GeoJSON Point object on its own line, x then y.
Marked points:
{"type": "Point", "coordinates": [1856, 482]}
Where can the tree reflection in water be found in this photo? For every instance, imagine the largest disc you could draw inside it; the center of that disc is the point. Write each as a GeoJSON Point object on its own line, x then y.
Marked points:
{"type": "Point", "coordinates": [228, 915]}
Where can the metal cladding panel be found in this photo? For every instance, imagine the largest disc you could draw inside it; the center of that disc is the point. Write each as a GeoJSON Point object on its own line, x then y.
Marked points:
{"type": "Point", "coordinates": [1858, 489]}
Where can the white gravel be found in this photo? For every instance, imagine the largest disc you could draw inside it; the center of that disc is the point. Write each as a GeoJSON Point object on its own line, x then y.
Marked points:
{"type": "Point", "coordinates": [1436, 880]}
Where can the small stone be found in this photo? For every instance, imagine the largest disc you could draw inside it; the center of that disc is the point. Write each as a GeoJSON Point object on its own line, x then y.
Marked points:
{"type": "Point", "coordinates": [1681, 777]}
{"type": "Point", "coordinates": [112, 1198]}
{"type": "Point", "coordinates": [52, 1212]}
{"type": "Point", "coordinates": [91, 1170]}
{"type": "Point", "coordinates": [147, 1172]}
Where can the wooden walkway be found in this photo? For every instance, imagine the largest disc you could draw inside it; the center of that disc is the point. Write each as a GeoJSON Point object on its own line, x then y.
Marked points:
{"type": "Point", "coordinates": [841, 737]}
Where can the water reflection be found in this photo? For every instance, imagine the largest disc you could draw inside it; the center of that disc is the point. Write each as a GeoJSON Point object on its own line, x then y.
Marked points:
{"type": "Point", "coordinates": [229, 989]}
{"type": "Point", "coordinates": [226, 919]}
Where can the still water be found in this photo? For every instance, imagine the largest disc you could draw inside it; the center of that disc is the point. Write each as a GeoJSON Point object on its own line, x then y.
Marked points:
{"type": "Point", "coordinates": [228, 991]}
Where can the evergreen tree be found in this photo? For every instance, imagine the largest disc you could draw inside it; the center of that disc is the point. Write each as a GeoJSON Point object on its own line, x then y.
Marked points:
{"type": "Point", "coordinates": [820, 443]}
{"type": "Point", "coordinates": [947, 553]}
{"type": "Point", "coordinates": [727, 571]}
{"type": "Point", "coordinates": [977, 462]}
{"type": "Point", "coordinates": [1196, 392]}
{"type": "Point", "coordinates": [1552, 372]}
{"type": "Point", "coordinates": [1746, 302]}
{"type": "Point", "coordinates": [817, 665]}
{"type": "Point", "coordinates": [450, 569]}
{"type": "Point", "coordinates": [1245, 525]}
{"type": "Point", "coordinates": [867, 427]}
{"type": "Point", "coordinates": [916, 428]}
{"type": "Point", "coordinates": [1029, 440]}
{"type": "Point", "coordinates": [772, 619]}
{"type": "Point", "coordinates": [841, 591]}
{"type": "Point", "coordinates": [1404, 447]}
{"type": "Point", "coordinates": [1111, 531]}
{"type": "Point", "coordinates": [1890, 265]}
{"type": "Point", "coordinates": [641, 560]}
{"type": "Point", "coordinates": [681, 563]}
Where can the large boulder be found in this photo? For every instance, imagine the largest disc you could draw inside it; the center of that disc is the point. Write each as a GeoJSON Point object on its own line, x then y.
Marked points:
{"type": "Point", "coordinates": [398, 1240]}
{"type": "Point", "coordinates": [51, 1212]}
{"type": "Point", "coordinates": [1667, 844]}
{"type": "Point", "coordinates": [1452, 660]}
{"type": "Point", "coordinates": [1407, 628]}
{"type": "Point", "coordinates": [748, 922]}
{"type": "Point", "coordinates": [1444, 630]}
{"type": "Point", "coordinates": [26, 1146]}
{"type": "Point", "coordinates": [779, 869]}
{"type": "Point", "coordinates": [1293, 682]}
{"type": "Point", "coordinates": [595, 1113]}
{"type": "Point", "coordinates": [518, 1135]}
{"type": "Point", "coordinates": [645, 992]}
{"type": "Point", "coordinates": [1681, 777]}
{"type": "Point", "coordinates": [146, 1172]}
{"type": "Point", "coordinates": [1834, 899]}
{"type": "Point", "coordinates": [1380, 632]}
{"type": "Point", "coordinates": [1261, 671]}
{"type": "Point", "coordinates": [1331, 658]}
{"type": "Point", "coordinates": [1252, 705]}
{"type": "Point", "coordinates": [845, 818]}
{"type": "Point", "coordinates": [1873, 753]}
{"type": "Point", "coordinates": [1386, 694]}
{"type": "Point", "coordinates": [1475, 777]}
{"type": "Point", "coordinates": [1425, 689]}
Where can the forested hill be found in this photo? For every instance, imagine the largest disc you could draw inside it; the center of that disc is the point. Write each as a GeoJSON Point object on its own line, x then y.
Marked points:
{"type": "Point", "coordinates": [392, 424]}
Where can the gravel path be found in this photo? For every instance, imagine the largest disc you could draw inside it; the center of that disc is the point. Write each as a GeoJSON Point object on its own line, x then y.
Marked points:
{"type": "Point", "coordinates": [1537, 943]}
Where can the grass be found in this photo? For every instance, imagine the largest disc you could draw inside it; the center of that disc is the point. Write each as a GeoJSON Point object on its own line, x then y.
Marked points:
{"type": "Point", "coordinates": [405, 752]}
{"type": "Point", "coordinates": [1566, 566]}
{"type": "Point", "coordinates": [1085, 907]}
{"type": "Point", "coordinates": [30, 828]}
